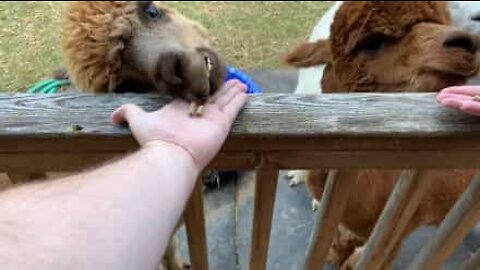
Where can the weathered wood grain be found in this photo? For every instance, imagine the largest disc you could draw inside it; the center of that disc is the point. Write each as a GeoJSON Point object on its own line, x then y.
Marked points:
{"type": "Point", "coordinates": [266, 120]}
{"type": "Point", "coordinates": [398, 130]}
{"type": "Point", "coordinates": [346, 114]}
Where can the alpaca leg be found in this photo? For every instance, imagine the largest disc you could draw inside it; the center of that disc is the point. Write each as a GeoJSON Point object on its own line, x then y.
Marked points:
{"type": "Point", "coordinates": [315, 182]}
{"type": "Point", "coordinates": [353, 259]}
{"type": "Point", "coordinates": [389, 260]}
{"type": "Point", "coordinates": [296, 177]}
{"type": "Point", "coordinates": [315, 205]}
{"type": "Point", "coordinates": [343, 247]}
{"type": "Point", "coordinates": [171, 259]}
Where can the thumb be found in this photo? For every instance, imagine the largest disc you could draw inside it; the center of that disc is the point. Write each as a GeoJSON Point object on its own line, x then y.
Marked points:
{"type": "Point", "coordinates": [126, 113]}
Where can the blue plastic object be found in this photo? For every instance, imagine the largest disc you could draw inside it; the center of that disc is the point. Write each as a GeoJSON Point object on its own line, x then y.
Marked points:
{"type": "Point", "coordinates": [252, 87]}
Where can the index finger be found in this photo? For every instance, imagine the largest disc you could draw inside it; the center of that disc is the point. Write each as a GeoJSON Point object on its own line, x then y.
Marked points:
{"type": "Point", "coordinates": [471, 107]}
{"type": "Point", "coordinates": [462, 90]}
{"type": "Point", "coordinates": [234, 107]}
{"type": "Point", "coordinates": [224, 89]}
{"type": "Point", "coordinates": [126, 113]}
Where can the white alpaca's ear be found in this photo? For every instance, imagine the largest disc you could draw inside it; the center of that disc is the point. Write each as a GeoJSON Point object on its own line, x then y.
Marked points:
{"type": "Point", "coordinates": [310, 54]}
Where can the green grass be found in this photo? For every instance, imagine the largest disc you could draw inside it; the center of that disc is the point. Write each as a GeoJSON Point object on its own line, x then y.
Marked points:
{"type": "Point", "coordinates": [249, 34]}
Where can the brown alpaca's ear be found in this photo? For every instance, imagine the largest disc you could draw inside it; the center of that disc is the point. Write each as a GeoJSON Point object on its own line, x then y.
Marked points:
{"type": "Point", "coordinates": [309, 54]}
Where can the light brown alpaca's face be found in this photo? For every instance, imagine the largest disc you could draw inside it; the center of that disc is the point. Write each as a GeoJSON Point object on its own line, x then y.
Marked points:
{"type": "Point", "coordinates": [139, 46]}
{"type": "Point", "coordinates": [170, 53]}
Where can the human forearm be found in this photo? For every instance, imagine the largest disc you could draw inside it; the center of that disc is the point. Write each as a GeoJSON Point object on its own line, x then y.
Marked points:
{"type": "Point", "coordinates": [98, 212]}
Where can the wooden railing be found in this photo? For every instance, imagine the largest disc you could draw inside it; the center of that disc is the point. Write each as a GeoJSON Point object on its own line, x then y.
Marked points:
{"type": "Point", "coordinates": [69, 132]}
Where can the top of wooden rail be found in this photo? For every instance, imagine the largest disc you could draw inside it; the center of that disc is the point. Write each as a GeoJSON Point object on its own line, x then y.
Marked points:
{"type": "Point", "coordinates": [30, 123]}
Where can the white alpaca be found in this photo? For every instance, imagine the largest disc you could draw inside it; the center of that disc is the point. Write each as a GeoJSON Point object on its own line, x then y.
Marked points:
{"type": "Point", "coordinates": [309, 81]}
{"type": "Point", "coordinates": [309, 78]}
{"type": "Point", "coordinates": [466, 15]}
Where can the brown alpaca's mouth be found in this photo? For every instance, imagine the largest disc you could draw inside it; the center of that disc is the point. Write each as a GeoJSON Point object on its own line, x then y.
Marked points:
{"type": "Point", "coordinates": [434, 81]}
{"type": "Point", "coordinates": [216, 68]}
{"type": "Point", "coordinates": [462, 65]}
{"type": "Point", "coordinates": [454, 77]}
{"type": "Point", "coordinates": [466, 73]}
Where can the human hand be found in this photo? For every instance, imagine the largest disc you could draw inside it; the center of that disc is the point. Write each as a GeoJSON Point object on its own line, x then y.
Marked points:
{"type": "Point", "coordinates": [202, 137]}
{"type": "Point", "coordinates": [464, 98]}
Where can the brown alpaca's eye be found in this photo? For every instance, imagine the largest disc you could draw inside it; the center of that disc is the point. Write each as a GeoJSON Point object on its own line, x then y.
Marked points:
{"type": "Point", "coordinates": [371, 45]}
{"type": "Point", "coordinates": [150, 11]}
{"type": "Point", "coordinates": [153, 12]}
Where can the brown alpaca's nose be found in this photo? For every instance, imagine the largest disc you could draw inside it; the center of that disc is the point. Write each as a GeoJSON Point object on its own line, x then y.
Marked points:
{"type": "Point", "coordinates": [461, 40]}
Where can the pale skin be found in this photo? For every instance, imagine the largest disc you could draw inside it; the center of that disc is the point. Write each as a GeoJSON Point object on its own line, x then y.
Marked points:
{"type": "Point", "coordinates": [463, 98]}
{"type": "Point", "coordinates": [119, 216]}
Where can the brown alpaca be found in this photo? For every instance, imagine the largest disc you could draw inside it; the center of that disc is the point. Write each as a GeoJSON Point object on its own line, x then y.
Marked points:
{"type": "Point", "coordinates": [389, 46]}
{"type": "Point", "coordinates": [140, 46]}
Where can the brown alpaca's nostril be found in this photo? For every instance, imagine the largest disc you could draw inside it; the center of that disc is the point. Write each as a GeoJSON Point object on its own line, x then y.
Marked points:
{"type": "Point", "coordinates": [461, 41]}
{"type": "Point", "coordinates": [171, 68]}
{"type": "Point", "coordinates": [475, 17]}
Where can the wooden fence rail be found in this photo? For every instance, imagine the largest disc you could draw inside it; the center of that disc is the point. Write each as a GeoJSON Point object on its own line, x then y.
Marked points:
{"type": "Point", "coordinates": [68, 132]}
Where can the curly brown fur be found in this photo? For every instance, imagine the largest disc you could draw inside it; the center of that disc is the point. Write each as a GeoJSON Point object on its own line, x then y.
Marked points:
{"type": "Point", "coordinates": [344, 245]}
{"type": "Point", "coordinates": [387, 46]}
{"type": "Point", "coordinates": [95, 36]}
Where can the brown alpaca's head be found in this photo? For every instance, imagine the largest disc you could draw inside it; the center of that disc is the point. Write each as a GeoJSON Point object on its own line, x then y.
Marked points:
{"type": "Point", "coordinates": [139, 46]}
{"type": "Point", "coordinates": [391, 46]}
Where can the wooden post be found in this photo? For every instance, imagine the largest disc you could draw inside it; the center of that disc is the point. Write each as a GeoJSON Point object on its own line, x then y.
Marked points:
{"type": "Point", "coordinates": [265, 190]}
{"type": "Point", "coordinates": [195, 227]}
{"type": "Point", "coordinates": [456, 225]}
{"type": "Point", "coordinates": [401, 205]}
{"type": "Point", "coordinates": [334, 200]}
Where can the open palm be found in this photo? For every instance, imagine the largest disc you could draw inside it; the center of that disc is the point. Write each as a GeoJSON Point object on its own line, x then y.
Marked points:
{"type": "Point", "coordinates": [201, 136]}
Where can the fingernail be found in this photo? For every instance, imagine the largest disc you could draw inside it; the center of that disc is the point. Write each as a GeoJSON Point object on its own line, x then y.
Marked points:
{"type": "Point", "coordinates": [243, 87]}
{"type": "Point", "coordinates": [233, 81]}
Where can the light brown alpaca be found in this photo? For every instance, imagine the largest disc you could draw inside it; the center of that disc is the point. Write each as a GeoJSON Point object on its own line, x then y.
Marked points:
{"type": "Point", "coordinates": [390, 46]}
{"type": "Point", "coordinates": [140, 46]}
